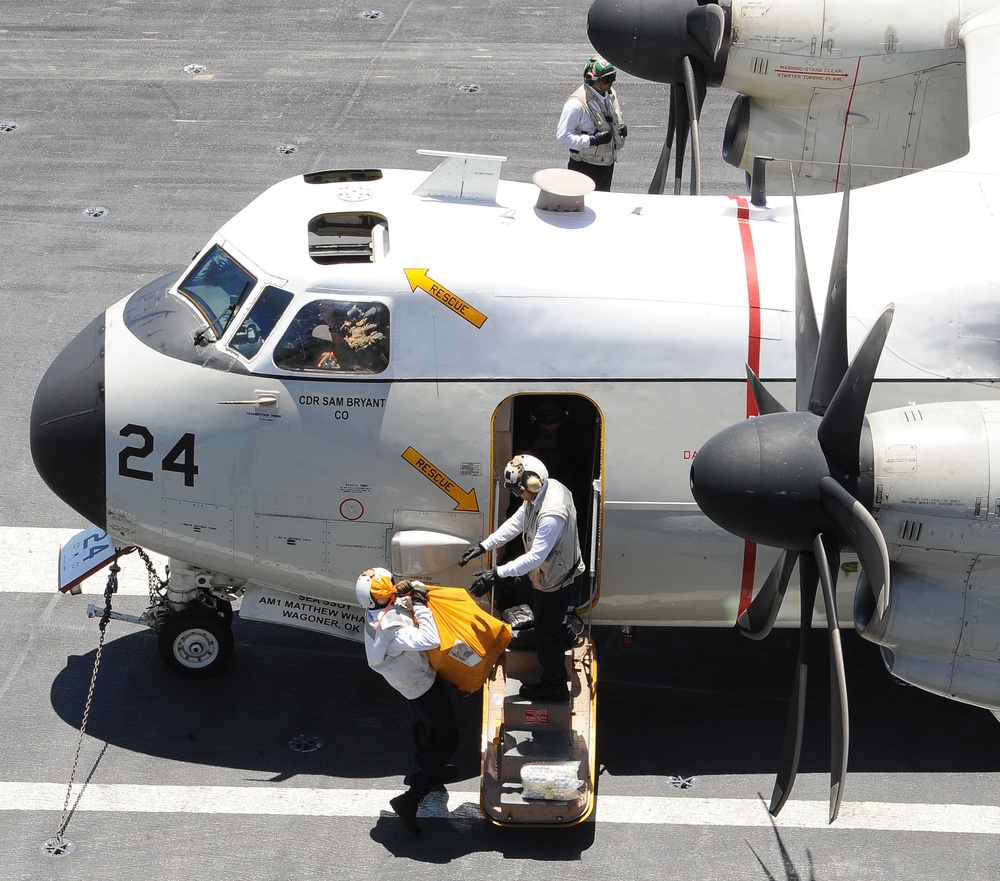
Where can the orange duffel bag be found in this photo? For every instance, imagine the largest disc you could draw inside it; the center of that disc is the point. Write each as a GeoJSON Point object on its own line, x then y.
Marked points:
{"type": "Point", "coordinates": [471, 640]}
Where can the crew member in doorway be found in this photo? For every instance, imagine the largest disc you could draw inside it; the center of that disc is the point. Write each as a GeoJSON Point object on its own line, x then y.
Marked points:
{"type": "Point", "coordinates": [592, 126]}
{"type": "Point", "coordinates": [552, 561]}
{"type": "Point", "coordinates": [399, 630]}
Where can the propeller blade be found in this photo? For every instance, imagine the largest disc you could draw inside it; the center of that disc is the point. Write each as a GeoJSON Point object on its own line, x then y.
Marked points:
{"type": "Point", "coordinates": [791, 750]}
{"type": "Point", "coordinates": [678, 99]}
{"type": "Point", "coordinates": [766, 402]}
{"type": "Point", "coordinates": [658, 183]}
{"type": "Point", "coordinates": [828, 562]}
{"type": "Point", "coordinates": [831, 357]}
{"type": "Point", "coordinates": [839, 431]}
{"type": "Point", "coordinates": [705, 26]}
{"type": "Point", "coordinates": [806, 329]}
{"type": "Point", "coordinates": [861, 533]}
{"type": "Point", "coordinates": [694, 88]}
{"type": "Point", "coordinates": [759, 617]}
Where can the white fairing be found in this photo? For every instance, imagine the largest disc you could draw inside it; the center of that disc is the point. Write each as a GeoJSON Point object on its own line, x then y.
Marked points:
{"type": "Point", "coordinates": [937, 501]}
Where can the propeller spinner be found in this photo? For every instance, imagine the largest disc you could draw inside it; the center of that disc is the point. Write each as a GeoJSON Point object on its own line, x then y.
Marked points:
{"type": "Point", "coordinates": [681, 42]}
{"type": "Point", "coordinates": [792, 480]}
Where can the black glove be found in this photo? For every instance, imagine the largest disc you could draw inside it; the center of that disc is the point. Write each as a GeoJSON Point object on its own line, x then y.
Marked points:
{"type": "Point", "coordinates": [418, 594]}
{"type": "Point", "coordinates": [623, 131]}
{"type": "Point", "coordinates": [484, 582]}
{"type": "Point", "coordinates": [403, 588]}
{"type": "Point", "coordinates": [599, 138]}
{"type": "Point", "coordinates": [471, 554]}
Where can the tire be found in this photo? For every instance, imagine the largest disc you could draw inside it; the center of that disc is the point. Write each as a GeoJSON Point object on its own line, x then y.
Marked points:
{"type": "Point", "coordinates": [196, 643]}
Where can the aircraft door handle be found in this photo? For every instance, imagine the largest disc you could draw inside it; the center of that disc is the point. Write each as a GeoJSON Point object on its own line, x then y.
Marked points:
{"type": "Point", "coordinates": [260, 399]}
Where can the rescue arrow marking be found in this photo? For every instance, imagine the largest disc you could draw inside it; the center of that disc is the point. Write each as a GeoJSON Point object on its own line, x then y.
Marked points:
{"type": "Point", "coordinates": [464, 501]}
{"type": "Point", "coordinates": [418, 278]}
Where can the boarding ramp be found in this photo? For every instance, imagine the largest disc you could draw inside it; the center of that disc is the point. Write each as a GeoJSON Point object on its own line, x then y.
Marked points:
{"type": "Point", "coordinates": [539, 756]}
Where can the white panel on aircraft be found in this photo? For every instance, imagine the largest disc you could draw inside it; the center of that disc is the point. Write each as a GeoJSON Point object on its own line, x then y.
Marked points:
{"type": "Point", "coordinates": [297, 544]}
{"type": "Point", "coordinates": [208, 527]}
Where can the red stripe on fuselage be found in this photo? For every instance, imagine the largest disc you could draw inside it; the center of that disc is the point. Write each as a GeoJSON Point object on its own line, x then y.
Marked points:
{"type": "Point", "coordinates": [847, 121]}
{"type": "Point", "coordinates": [753, 359]}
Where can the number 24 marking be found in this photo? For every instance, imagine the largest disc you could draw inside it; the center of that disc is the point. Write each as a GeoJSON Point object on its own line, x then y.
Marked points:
{"type": "Point", "coordinates": [180, 458]}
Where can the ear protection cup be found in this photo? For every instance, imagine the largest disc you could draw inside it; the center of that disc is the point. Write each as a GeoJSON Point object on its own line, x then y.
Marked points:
{"type": "Point", "coordinates": [531, 481]}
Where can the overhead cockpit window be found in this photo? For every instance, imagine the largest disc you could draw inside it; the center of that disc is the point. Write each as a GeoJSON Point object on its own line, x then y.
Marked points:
{"type": "Point", "coordinates": [349, 237]}
{"type": "Point", "coordinates": [343, 336]}
{"type": "Point", "coordinates": [217, 286]}
{"type": "Point", "coordinates": [257, 326]}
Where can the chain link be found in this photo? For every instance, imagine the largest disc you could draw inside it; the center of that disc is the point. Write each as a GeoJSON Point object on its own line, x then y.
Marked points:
{"type": "Point", "coordinates": [157, 587]}
{"type": "Point", "coordinates": [157, 591]}
{"type": "Point", "coordinates": [109, 591]}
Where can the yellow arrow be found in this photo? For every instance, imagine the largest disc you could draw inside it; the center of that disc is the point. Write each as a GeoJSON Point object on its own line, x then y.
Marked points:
{"type": "Point", "coordinates": [464, 501]}
{"type": "Point", "coordinates": [418, 278]}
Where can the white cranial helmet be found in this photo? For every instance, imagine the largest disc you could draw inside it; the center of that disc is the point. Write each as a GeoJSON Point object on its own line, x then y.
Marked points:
{"type": "Point", "coordinates": [525, 473]}
{"type": "Point", "coordinates": [374, 588]}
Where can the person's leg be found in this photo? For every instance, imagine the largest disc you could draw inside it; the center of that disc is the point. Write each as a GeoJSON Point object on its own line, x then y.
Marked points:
{"type": "Point", "coordinates": [435, 738]}
{"type": "Point", "coordinates": [594, 172]}
{"type": "Point", "coordinates": [443, 733]}
{"type": "Point", "coordinates": [605, 184]}
{"type": "Point", "coordinates": [549, 609]}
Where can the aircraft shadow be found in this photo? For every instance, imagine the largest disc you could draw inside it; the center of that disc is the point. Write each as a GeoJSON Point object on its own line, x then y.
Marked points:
{"type": "Point", "coordinates": [678, 703]}
{"type": "Point", "coordinates": [711, 702]}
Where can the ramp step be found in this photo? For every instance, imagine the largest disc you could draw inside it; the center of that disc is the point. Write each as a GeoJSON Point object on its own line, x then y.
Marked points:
{"type": "Point", "coordinates": [521, 747]}
{"type": "Point", "coordinates": [521, 714]}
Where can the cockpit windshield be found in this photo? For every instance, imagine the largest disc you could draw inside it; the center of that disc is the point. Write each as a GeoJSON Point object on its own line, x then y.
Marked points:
{"type": "Point", "coordinates": [217, 286]}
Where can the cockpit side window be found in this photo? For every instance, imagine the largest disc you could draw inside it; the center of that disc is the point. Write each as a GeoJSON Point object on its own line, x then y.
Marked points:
{"type": "Point", "coordinates": [217, 286]}
{"type": "Point", "coordinates": [344, 336]}
{"type": "Point", "coordinates": [257, 326]}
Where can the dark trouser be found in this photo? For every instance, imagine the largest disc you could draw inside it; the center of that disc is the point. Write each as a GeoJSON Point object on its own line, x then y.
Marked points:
{"type": "Point", "coordinates": [600, 174]}
{"type": "Point", "coordinates": [549, 609]}
{"type": "Point", "coordinates": [435, 735]}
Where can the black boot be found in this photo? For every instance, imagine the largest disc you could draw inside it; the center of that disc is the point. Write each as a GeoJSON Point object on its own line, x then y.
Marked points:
{"type": "Point", "coordinates": [405, 806]}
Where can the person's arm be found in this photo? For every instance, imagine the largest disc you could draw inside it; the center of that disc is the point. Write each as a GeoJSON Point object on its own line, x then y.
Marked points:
{"type": "Point", "coordinates": [421, 638]}
{"type": "Point", "coordinates": [548, 536]}
{"type": "Point", "coordinates": [570, 121]}
{"type": "Point", "coordinates": [509, 530]}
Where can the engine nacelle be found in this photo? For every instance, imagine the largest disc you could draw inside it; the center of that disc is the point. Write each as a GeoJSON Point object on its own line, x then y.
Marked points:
{"type": "Point", "coordinates": [881, 87]}
{"type": "Point", "coordinates": [937, 501]}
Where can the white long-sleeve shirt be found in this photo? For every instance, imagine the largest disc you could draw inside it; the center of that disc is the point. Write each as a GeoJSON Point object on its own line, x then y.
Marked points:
{"type": "Point", "coordinates": [395, 646]}
{"type": "Point", "coordinates": [548, 536]}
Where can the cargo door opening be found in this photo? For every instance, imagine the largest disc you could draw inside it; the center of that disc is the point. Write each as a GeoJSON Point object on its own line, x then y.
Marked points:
{"type": "Point", "coordinates": [565, 431]}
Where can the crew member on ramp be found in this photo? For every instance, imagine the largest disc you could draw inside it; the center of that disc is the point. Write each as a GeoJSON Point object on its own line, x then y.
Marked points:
{"type": "Point", "coordinates": [552, 561]}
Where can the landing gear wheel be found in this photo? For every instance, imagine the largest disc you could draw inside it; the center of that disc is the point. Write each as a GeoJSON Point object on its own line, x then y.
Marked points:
{"type": "Point", "coordinates": [196, 643]}
{"type": "Point", "coordinates": [224, 609]}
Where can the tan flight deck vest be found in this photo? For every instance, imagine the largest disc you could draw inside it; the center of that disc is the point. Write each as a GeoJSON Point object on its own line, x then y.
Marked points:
{"type": "Point", "coordinates": [565, 562]}
{"type": "Point", "coordinates": [603, 154]}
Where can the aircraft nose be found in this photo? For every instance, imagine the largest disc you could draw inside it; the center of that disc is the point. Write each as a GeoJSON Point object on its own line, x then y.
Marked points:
{"type": "Point", "coordinates": [68, 425]}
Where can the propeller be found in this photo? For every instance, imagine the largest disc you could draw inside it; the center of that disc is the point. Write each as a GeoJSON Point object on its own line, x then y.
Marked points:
{"type": "Point", "coordinates": [792, 480]}
{"type": "Point", "coordinates": [681, 42]}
